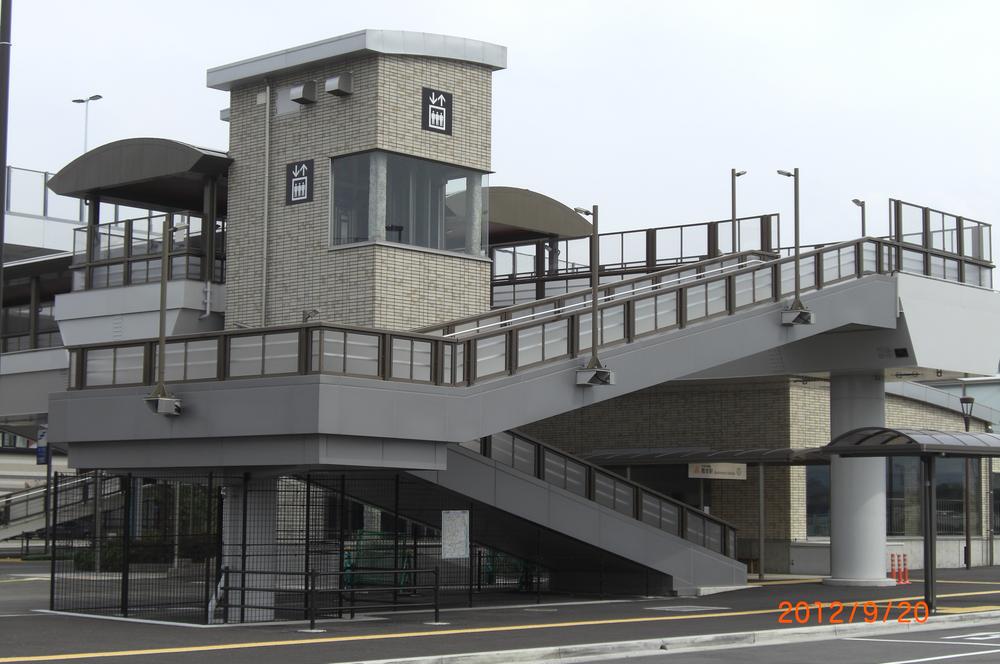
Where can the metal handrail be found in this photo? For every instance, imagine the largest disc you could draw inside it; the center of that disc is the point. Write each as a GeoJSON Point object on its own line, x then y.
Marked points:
{"type": "Point", "coordinates": [613, 296]}
{"type": "Point", "coordinates": [875, 251]}
{"type": "Point", "coordinates": [637, 489]}
{"type": "Point", "coordinates": [658, 274]}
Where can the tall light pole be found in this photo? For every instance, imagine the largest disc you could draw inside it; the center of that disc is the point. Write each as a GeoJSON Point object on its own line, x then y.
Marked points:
{"type": "Point", "coordinates": [861, 204]}
{"type": "Point", "coordinates": [797, 302]}
{"type": "Point", "coordinates": [595, 270]}
{"type": "Point", "coordinates": [967, 404]}
{"type": "Point", "coordinates": [733, 174]}
{"type": "Point", "coordinates": [86, 115]}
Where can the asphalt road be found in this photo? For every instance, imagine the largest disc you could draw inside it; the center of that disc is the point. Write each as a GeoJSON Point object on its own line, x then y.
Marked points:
{"type": "Point", "coordinates": [963, 646]}
{"type": "Point", "coordinates": [27, 635]}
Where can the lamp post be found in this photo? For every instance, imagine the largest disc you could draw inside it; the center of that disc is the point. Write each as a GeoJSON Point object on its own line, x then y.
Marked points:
{"type": "Point", "coordinates": [797, 302]}
{"type": "Point", "coordinates": [733, 174]}
{"type": "Point", "coordinates": [967, 403]}
{"type": "Point", "coordinates": [86, 114]}
{"type": "Point", "coordinates": [160, 400]}
{"type": "Point", "coordinates": [861, 204]}
{"type": "Point", "coordinates": [595, 269]}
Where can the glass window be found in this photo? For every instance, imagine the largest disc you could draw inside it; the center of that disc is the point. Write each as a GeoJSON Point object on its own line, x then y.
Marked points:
{"type": "Point", "coordinates": [903, 500]}
{"type": "Point", "coordinates": [950, 475]}
{"type": "Point", "coordinates": [424, 204]}
{"type": "Point", "coordinates": [817, 501]}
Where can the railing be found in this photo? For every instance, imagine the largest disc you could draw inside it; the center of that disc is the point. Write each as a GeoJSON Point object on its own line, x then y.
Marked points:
{"type": "Point", "coordinates": [527, 455]}
{"type": "Point", "coordinates": [550, 306]}
{"type": "Point", "coordinates": [532, 270]}
{"type": "Point", "coordinates": [28, 195]}
{"type": "Point", "coordinates": [515, 347]}
{"type": "Point", "coordinates": [127, 252]}
{"type": "Point", "coordinates": [31, 503]}
{"type": "Point", "coordinates": [315, 590]}
{"type": "Point", "coordinates": [943, 231]}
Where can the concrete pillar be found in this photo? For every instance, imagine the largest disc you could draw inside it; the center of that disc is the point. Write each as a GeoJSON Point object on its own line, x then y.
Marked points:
{"type": "Point", "coordinates": [377, 196]}
{"type": "Point", "coordinates": [251, 541]}
{"type": "Point", "coordinates": [857, 486]}
{"type": "Point", "coordinates": [474, 211]}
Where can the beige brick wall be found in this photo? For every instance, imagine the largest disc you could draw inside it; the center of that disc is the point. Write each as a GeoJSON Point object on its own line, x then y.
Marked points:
{"type": "Point", "coordinates": [303, 272]}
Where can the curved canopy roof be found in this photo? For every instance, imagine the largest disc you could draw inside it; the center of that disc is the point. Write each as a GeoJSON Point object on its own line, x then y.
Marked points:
{"type": "Point", "coordinates": [153, 173]}
{"type": "Point", "coordinates": [517, 215]}
{"type": "Point", "coordinates": [879, 441]}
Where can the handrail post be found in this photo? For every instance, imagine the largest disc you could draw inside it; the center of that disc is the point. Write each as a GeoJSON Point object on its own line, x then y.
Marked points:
{"type": "Point", "coordinates": [225, 595]}
{"type": "Point", "coordinates": [437, 606]}
{"type": "Point", "coordinates": [312, 599]}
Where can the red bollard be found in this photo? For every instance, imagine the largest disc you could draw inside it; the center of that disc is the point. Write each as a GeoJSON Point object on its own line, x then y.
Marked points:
{"type": "Point", "coordinates": [892, 565]}
{"type": "Point", "coordinates": [906, 569]}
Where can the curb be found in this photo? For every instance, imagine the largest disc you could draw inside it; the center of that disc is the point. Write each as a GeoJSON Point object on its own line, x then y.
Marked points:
{"type": "Point", "coordinates": [695, 642]}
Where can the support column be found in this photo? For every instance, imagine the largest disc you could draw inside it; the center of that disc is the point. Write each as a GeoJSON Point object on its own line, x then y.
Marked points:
{"type": "Point", "coordinates": [474, 213]}
{"type": "Point", "coordinates": [857, 486]}
{"type": "Point", "coordinates": [377, 196]}
{"type": "Point", "coordinates": [248, 531]}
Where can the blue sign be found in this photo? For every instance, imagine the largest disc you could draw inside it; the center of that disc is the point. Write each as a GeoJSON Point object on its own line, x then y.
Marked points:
{"type": "Point", "coordinates": [41, 455]}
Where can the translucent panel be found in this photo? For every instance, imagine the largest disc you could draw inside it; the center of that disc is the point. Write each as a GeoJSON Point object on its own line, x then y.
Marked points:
{"type": "Point", "coordinates": [695, 302]}
{"type": "Point", "coordinates": [401, 358]}
{"type": "Point", "coordinates": [128, 365]}
{"type": "Point", "coordinates": [913, 262]}
{"type": "Point", "coordinates": [848, 262]}
{"type": "Point", "coordinates": [529, 345]}
{"type": "Point", "coordinates": [807, 273]}
{"type": "Point", "coordinates": [502, 448]}
{"type": "Point", "coordinates": [524, 456]}
{"type": "Point", "coordinates": [624, 498]}
{"type": "Point", "coordinates": [100, 367]}
{"type": "Point", "coordinates": [612, 324]}
{"type": "Point", "coordinates": [584, 324]}
{"type": "Point", "coordinates": [491, 355]}
{"type": "Point", "coordinates": [64, 207]}
{"type": "Point", "coordinates": [26, 194]}
{"type": "Point", "coordinates": [951, 270]}
{"type": "Point", "coordinates": [743, 289]}
{"type": "Point", "coordinates": [937, 267]}
{"type": "Point", "coordinates": [422, 360]}
{"type": "Point", "coordinates": [787, 278]}
{"type": "Point", "coordinates": [556, 339]}
{"type": "Point", "coordinates": [74, 357]}
{"type": "Point", "coordinates": [361, 354]}
{"type": "Point", "coordinates": [604, 490]}
{"type": "Point", "coordinates": [869, 253]}
{"type": "Point", "coordinates": [459, 363]}
{"type": "Point", "coordinates": [645, 315]}
{"type": "Point", "coordinates": [447, 364]}
{"type": "Point", "coordinates": [695, 528]}
{"type": "Point", "coordinates": [245, 355]}
{"type": "Point", "coordinates": [174, 364]}
{"type": "Point", "coordinates": [202, 359]}
{"type": "Point", "coordinates": [328, 351]}
{"type": "Point", "coordinates": [650, 510]}
{"type": "Point", "coordinates": [666, 310]}
{"type": "Point", "coordinates": [576, 477]}
{"type": "Point", "coordinates": [669, 518]}
{"type": "Point", "coordinates": [713, 536]}
{"type": "Point", "coordinates": [762, 285]}
{"type": "Point", "coordinates": [281, 353]}
{"type": "Point", "coordinates": [716, 302]}
{"type": "Point", "coordinates": [831, 266]}
{"type": "Point", "coordinates": [555, 469]}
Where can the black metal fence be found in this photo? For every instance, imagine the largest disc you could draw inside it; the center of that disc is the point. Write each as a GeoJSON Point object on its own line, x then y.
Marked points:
{"type": "Point", "coordinates": [211, 548]}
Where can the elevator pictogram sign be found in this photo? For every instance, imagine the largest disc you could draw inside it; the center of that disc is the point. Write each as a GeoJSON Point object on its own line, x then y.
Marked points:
{"type": "Point", "coordinates": [299, 182]}
{"type": "Point", "coordinates": [436, 111]}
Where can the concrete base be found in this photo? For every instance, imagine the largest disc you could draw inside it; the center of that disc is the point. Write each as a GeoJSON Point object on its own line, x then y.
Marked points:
{"type": "Point", "coordinates": [858, 583]}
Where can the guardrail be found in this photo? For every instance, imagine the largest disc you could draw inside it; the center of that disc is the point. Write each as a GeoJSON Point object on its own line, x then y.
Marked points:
{"type": "Point", "coordinates": [529, 455]}
{"type": "Point", "coordinates": [515, 347]}
{"type": "Point", "coordinates": [354, 588]}
{"type": "Point", "coordinates": [31, 503]}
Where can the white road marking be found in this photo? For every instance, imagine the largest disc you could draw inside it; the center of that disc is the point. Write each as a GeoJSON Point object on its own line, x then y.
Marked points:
{"type": "Point", "coordinates": [937, 643]}
{"type": "Point", "coordinates": [941, 657]}
{"type": "Point", "coordinates": [978, 636]}
{"type": "Point", "coordinates": [684, 608]}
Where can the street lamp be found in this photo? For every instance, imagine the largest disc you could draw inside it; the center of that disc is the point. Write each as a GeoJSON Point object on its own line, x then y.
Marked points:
{"type": "Point", "coordinates": [797, 302]}
{"type": "Point", "coordinates": [861, 204]}
{"type": "Point", "coordinates": [160, 400]}
{"type": "Point", "coordinates": [967, 403]}
{"type": "Point", "coordinates": [594, 373]}
{"type": "Point", "coordinates": [733, 175]}
{"type": "Point", "coordinates": [86, 115]}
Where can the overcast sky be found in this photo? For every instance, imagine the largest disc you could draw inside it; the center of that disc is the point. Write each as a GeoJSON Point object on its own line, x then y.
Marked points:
{"type": "Point", "coordinates": [642, 107]}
